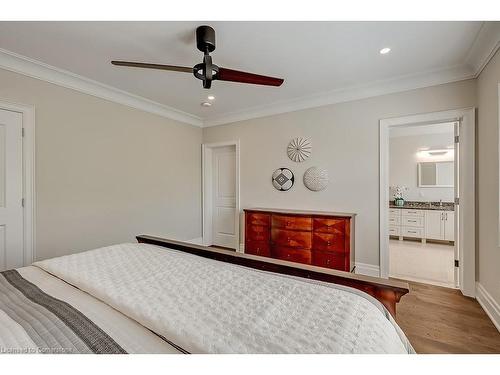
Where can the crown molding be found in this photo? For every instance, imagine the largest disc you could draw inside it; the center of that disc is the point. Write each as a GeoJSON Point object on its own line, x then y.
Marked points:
{"type": "Point", "coordinates": [400, 84]}
{"type": "Point", "coordinates": [484, 47]}
{"type": "Point", "coordinates": [39, 70]}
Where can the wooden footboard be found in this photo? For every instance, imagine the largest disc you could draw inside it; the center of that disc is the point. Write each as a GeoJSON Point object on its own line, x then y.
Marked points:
{"type": "Point", "coordinates": [388, 292]}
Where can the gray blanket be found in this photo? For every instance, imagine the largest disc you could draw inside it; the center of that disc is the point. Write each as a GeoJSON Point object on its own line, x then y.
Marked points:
{"type": "Point", "coordinates": [49, 324]}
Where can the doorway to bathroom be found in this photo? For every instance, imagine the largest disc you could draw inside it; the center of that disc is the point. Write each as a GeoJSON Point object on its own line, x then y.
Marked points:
{"type": "Point", "coordinates": [427, 199]}
{"type": "Point", "coordinates": [422, 203]}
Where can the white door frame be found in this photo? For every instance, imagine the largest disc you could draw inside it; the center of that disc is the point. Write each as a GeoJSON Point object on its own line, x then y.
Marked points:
{"type": "Point", "coordinates": [28, 113]}
{"type": "Point", "coordinates": [466, 219]}
{"type": "Point", "coordinates": [206, 165]}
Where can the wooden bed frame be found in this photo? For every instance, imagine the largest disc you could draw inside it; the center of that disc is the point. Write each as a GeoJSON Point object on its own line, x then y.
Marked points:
{"type": "Point", "coordinates": [388, 292]}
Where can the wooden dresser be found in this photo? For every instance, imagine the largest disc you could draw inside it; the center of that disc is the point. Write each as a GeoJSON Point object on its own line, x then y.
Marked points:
{"type": "Point", "coordinates": [324, 239]}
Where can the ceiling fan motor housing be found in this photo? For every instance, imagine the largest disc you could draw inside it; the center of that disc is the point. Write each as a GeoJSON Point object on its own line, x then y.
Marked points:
{"type": "Point", "coordinates": [205, 39]}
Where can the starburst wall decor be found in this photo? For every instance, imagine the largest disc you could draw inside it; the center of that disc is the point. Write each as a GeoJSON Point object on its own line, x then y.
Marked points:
{"type": "Point", "coordinates": [299, 149]}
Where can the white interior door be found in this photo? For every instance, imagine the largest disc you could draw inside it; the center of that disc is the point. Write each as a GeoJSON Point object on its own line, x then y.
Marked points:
{"type": "Point", "coordinates": [11, 190]}
{"type": "Point", "coordinates": [224, 197]}
{"type": "Point", "coordinates": [456, 213]}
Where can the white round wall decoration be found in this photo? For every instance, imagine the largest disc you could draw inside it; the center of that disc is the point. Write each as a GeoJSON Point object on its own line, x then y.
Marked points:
{"type": "Point", "coordinates": [316, 178]}
{"type": "Point", "coordinates": [283, 179]}
{"type": "Point", "coordinates": [299, 149]}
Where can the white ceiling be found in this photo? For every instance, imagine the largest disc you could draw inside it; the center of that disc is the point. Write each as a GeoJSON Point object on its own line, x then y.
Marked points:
{"type": "Point", "coordinates": [316, 59]}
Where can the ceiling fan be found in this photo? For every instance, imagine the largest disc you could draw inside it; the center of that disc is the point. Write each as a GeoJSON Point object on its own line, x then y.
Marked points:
{"type": "Point", "coordinates": [207, 71]}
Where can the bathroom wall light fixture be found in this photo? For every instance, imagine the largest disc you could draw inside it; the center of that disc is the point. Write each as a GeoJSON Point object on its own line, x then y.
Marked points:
{"type": "Point", "coordinates": [436, 152]}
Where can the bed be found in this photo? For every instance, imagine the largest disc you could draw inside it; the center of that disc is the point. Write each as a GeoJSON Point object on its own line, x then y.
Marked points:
{"type": "Point", "coordinates": [165, 296]}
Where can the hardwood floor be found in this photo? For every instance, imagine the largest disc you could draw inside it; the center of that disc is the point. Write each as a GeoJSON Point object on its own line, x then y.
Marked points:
{"type": "Point", "coordinates": [442, 320]}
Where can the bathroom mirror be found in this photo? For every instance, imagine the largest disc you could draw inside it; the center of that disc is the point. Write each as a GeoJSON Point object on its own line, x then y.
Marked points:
{"type": "Point", "coordinates": [436, 174]}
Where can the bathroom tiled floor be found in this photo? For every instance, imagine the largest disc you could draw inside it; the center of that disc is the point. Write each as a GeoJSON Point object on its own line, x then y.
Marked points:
{"type": "Point", "coordinates": [426, 263]}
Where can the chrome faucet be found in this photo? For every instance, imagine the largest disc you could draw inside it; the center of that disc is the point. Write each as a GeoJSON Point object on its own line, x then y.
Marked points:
{"type": "Point", "coordinates": [440, 203]}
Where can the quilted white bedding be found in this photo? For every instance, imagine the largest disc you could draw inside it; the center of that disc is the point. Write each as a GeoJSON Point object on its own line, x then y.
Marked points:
{"type": "Point", "coordinates": [206, 306]}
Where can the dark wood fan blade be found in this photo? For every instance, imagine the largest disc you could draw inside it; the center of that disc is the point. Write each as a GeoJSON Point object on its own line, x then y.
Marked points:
{"type": "Point", "coordinates": [244, 77]}
{"type": "Point", "coordinates": [174, 68]}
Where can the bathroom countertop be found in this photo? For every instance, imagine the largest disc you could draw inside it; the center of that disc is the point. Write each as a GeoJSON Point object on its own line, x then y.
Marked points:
{"type": "Point", "coordinates": [445, 206]}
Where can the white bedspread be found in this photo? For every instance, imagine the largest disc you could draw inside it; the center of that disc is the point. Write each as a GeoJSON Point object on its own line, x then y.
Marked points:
{"type": "Point", "coordinates": [207, 306]}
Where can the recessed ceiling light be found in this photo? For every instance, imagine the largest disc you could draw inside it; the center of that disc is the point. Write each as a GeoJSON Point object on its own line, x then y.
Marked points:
{"type": "Point", "coordinates": [206, 104]}
{"type": "Point", "coordinates": [211, 97]}
{"type": "Point", "coordinates": [385, 50]}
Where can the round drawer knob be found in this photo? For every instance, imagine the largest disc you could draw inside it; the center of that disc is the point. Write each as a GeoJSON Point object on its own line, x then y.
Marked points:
{"type": "Point", "coordinates": [328, 261]}
{"type": "Point", "coordinates": [328, 243]}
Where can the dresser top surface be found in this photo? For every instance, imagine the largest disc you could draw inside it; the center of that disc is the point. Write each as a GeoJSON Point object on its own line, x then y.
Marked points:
{"type": "Point", "coordinates": [300, 212]}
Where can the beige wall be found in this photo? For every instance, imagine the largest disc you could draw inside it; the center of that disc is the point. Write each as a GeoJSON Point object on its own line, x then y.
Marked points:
{"type": "Point", "coordinates": [487, 178]}
{"type": "Point", "coordinates": [345, 140]}
{"type": "Point", "coordinates": [106, 172]}
{"type": "Point", "coordinates": [403, 165]}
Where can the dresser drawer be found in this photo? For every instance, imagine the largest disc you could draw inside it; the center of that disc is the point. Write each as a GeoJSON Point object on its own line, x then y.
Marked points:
{"type": "Point", "coordinates": [257, 248]}
{"type": "Point", "coordinates": [413, 221]}
{"type": "Point", "coordinates": [412, 232]}
{"type": "Point", "coordinates": [258, 219]}
{"type": "Point", "coordinates": [394, 231]}
{"type": "Point", "coordinates": [394, 211]}
{"type": "Point", "coordinates": [291, 254]}
{"type": "Point", "coordinates": [329, 225]}
{"type": "Point", "coordinates": [410, 212]}
{"type": "Point", "coordinates": [290, 238]}
{"type": "Point", "coordinates": [257, 233]}
{"type": "Point", "coordinates": [329, 242]}
{"type": "Point", "coordinates": [394, 220]}
{"type": "Point", "coordinates": [329, 260]}
{"type": "Point", "coordinates": [292, 222]}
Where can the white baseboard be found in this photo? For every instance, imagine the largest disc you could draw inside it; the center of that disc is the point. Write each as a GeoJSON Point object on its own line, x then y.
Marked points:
{"type": "Point", "coordinates": [196, 241]}
{"type": "Point", "coordinates": [367, 269]}
{"type": "Point", "coordinates": [489, 305]}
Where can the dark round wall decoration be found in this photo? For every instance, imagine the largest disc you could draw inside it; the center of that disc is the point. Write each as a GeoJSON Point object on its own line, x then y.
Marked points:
{"type": "Point", "coordinates": [283, 179]}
